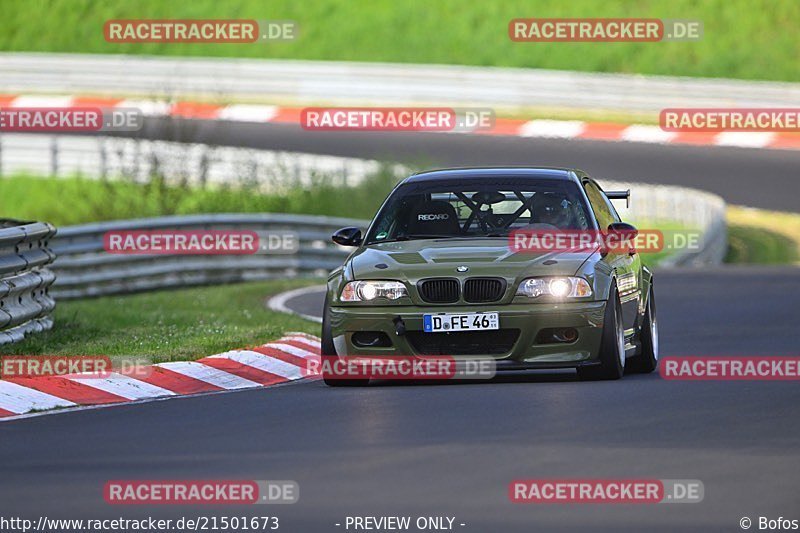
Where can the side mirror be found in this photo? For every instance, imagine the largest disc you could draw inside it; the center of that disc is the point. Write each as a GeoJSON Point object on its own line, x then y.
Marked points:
{"type": "Point", "coordinates": [347, 237]}
{"type": "Point", "coordinates": [624, 234]}
{"type": "Point", "coordinates": [623, 227]}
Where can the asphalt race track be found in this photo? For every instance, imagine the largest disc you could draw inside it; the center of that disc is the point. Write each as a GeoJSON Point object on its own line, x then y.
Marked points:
{"type": "Point", "coordinates": [452, 449]}
{"type": "Point", "coordinates": [744, 176]}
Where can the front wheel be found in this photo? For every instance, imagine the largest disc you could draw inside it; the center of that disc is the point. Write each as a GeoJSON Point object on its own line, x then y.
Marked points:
{"type": "Point", "coordinates": [612, 344]}
{"type": "Point", "coordinates": [328, 354]}
{"type": "Point", "coordinates": [647, 360]}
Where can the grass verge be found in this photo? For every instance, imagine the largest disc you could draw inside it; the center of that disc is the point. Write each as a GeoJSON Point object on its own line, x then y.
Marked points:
{"type": "Point", "coordinates": [764, 44]}
{"type": "Point", "coordinates": [173, 325]}
{"type": "Point", "coordinates": [757, 236]}
{"type": "Point", "coordinates": [77, 200]}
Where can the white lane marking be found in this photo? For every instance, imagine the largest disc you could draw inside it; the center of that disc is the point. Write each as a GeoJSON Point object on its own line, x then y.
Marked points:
{"type": "Point", "coordinates": [750, 139]}
{"type": "Point", "coordinates": [209, 374]}
{"type": "Point", "coordinates": [19, 399]}
{"type": "Point", "coordinates": [647, 134]}
{"type": "Point", "coordinates": [42, 101]}
{"type": "Point", "coordinates": [248, 113]}
{"type": "Point", "coordinates": [278, 302]}
{"type": "Point", "coordinates": [124, 386]}
{"type": "Point", "coordinates": [563, 129]}
{"type": "Point", "coordinates": [149, 108]}
{"type": "Point", "coordinates": [263, 362]}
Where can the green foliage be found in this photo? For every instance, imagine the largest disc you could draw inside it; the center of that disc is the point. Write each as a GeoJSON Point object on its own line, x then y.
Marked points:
{"type": "Point", "coordinates": [171, 325]}
{"type": "Point", "coordinates": [751, 39]}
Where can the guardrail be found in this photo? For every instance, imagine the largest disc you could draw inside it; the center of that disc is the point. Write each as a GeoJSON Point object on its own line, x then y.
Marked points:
{"type": "Point", "coordinates": [190, 163]}
{"type": "Point", "coordinates": [345, 83]}
{"type": "Point", "coordinates": [85, 269]}
{"type": "Point", "coordinates": [692, 209]}
{"type": "Point", "coordinates": [25, 300]}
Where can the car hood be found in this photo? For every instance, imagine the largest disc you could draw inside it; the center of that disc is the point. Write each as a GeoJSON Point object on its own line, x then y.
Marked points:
{"type": "Point", "coordinates": [413, 260]}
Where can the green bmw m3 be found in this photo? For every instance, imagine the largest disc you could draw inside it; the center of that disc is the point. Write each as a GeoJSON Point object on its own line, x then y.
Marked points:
{"type": "Point", "coordinates": [438, 273]}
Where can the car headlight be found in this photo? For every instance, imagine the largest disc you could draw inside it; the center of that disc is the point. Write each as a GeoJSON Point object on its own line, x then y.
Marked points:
{"type": "Point", "coordinates": [366, 291]}
{"type": "Point", "coordinates": [566, 287]}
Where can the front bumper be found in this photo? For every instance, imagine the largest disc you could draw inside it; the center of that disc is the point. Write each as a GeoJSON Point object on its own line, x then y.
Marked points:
{"type": "Point", "coordinates": [523, 352]}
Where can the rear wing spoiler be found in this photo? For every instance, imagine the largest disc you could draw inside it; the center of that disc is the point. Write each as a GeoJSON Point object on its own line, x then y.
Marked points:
{"type": "Point", "coordinates": [620, 195]}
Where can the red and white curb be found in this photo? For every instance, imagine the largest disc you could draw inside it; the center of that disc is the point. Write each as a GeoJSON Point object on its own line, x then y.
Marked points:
{"type": "Point", "coordinates": [538, 128]}
{"type": "Point", "coordinates": [290, 358]}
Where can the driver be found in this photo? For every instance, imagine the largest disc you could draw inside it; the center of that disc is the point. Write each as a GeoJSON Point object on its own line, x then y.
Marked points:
{"type": "Point", "coordinates": [554, 209]}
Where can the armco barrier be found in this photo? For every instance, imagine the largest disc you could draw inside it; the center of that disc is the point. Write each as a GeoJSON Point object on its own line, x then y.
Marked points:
{"type": "Point", "coordinates": [691, 209]}
{"type": "Point", "coordinates": [351, 83]}
{"type": "Point", "coordinates": [25, 300]}
{"type": "Point", "coordinates": [84, 269]}
{"type": "Point", "coordinates": [191, 163]}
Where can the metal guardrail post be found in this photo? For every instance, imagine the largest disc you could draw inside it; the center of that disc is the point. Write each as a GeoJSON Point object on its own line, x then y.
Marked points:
{"type": "Point", "coordinates": [103, 158]}
{"type": "Point", "coordinates": [54, 156]}
{"type": "Point", "coordinates": [25, 301]}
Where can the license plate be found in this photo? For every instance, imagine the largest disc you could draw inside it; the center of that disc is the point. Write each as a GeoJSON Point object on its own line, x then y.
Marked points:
{"type": "Point", "coordinates": [461, 322]}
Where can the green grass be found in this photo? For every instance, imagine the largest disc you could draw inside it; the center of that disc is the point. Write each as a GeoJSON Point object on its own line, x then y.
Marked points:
{"type": "Point", "coordinates": [65, 201]}
{"type": "Point", "coordinates": [751, 245]}
{"type": "Point", "coordinates": [751, 39]}
{"type": "Point", "coordinates": [757, 236]}
{"type": "Point", "coordinates": [182, 324]}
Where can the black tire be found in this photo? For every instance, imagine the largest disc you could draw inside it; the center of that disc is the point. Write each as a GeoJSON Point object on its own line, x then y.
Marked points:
{"type": "Point", "coordinates": [612, 365]}
{"type": "Point", "coordinates": [328, 353]}
{"type": "Point", "coordinates": [647, 360]}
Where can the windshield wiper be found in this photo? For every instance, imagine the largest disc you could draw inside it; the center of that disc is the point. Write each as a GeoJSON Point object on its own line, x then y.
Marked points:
{"type": "Point", "coordinates": [420, 236]}
{"type": "Point", "coordinates": [412, 236]}
{"type": "Point", "coordinates": [415, 236]}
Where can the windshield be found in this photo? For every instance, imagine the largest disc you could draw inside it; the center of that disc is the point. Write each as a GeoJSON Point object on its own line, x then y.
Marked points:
{"type": "Point", "coordinates": [470, 208]}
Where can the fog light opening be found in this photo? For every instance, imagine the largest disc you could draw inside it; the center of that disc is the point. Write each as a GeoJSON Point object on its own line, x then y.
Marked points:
{"type": "Point", "coordinates": [557, 335]}
{"type": "Point", "coordinates": [566, 335]}
{"type": "Point", "coordinates": [371, 339]}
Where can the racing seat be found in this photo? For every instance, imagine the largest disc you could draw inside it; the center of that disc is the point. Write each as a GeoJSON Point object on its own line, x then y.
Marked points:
{"type": "Point", "coordinates": [434, 218]}
{"type": "Point", "coordinates": [551, 209]}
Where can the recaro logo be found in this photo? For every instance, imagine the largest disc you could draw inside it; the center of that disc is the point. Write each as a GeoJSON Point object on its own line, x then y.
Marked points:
{"type": "Point", "coordinates": [440, 216]}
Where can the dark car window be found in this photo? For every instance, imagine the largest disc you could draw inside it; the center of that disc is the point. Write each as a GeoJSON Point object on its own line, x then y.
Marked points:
{"type": "Point", "coordinates": [486, 208]}
{"type": "Point", "coordinates": [603, 210]}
